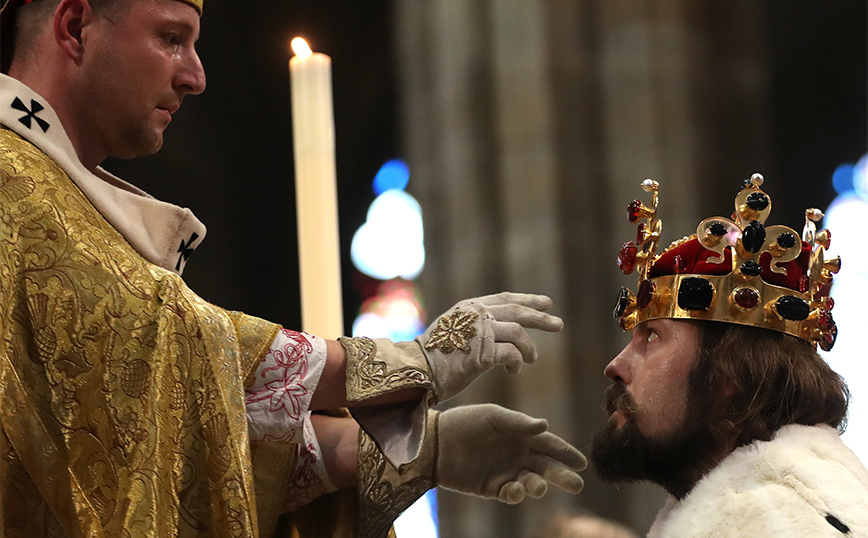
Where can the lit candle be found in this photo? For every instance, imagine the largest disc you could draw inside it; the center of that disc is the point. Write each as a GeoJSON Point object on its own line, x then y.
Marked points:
{"type": "Point", "coordinates": [313, 134]}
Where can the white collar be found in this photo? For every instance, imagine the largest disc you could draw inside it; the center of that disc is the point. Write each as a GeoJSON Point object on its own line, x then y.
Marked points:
{"type": "Point", "coordinates": [162, 233]}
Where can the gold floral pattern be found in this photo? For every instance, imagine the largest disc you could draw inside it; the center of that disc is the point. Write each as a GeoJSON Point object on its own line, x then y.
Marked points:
{"type": "Point", "coordinates": [453, 331]}
{"type": "Point", "coordinates": [368, 375]}
{"type": "Point", "coordinates": [121, 398]}
{"type": "Point", "coordinates": [384, 491]}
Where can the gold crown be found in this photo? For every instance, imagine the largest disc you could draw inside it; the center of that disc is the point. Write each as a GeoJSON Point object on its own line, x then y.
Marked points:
{"type": "Point", "coordinates": [734, 270]}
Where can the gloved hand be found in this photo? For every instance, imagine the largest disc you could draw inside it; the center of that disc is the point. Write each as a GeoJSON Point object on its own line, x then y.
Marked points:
{"type": "Point", "coordinates": [476, 334]}
{"type": "Point", "coordinates": [494, 452]}
{"type": "Point", "coordinates": [458, 347]}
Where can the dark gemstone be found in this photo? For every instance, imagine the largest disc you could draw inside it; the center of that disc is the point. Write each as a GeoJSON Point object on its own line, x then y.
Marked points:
{"type": "Point", "coordinates": [633, 210]}
{"type": "Point", "coordinates": [793, 308]}
{"type": "Point", "coordinates": [827, 341]}
{"type": "Point", "coordinates": [695, 293]}
{"type": "Point", "coordinates": [746, 184]}
{"type": "Point", "coordinates": [680, 266]}
{"type": "Point", "coordinates": [830, 303]}
{"type": "Point", "coordinates": [757, 201]}
{"type": "Point", "coordinates": [747, 298]}
{"type": "Point", "coordinates": [786, 240]}
{"type": "Point", "coordinates": [717, 229]}
{"type": "Point", "coordinates": [753, 236]}
{"type": "Point", "coordinates": [751, 268]}
{"type": "Point", "coordinates": [622, 304]}
{"type": "Point", "coordinates": [640, 233]}
{"type": "Point", "coordinates": [646, 291]}
{"type": "Point", "coordinates": [627, 257]}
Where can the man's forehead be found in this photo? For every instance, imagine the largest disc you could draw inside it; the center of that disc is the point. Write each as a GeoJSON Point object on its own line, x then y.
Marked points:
{"type": "Point", "coordinates": [197, 4]}
{"type": "Point", "coordinates": [678, 328]}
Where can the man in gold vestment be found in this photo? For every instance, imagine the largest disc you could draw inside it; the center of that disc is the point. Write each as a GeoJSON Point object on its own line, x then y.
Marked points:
{"type": "Point", "coordinates": [131, 407]}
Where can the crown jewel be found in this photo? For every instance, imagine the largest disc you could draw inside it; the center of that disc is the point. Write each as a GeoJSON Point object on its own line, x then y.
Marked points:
{"type": "Point", "coordinates": [735, 270]}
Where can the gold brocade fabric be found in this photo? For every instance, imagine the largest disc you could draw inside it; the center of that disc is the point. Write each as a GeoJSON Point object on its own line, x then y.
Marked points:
{"type": "Point", "coordinates": [121, 391]}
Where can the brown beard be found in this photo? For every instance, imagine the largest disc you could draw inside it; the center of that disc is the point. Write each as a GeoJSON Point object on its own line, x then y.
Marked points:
{"type": "Point", "coordinates": [625, 454]}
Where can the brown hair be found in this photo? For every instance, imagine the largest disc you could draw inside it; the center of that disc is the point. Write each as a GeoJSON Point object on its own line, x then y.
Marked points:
{"type": "Point", "coordinates": [757, 380]}
{"type": "Point", "coordinates": [30, 19]}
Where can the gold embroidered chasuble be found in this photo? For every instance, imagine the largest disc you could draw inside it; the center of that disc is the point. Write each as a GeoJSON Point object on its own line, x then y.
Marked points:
{"type": "Point", "coordinates": [121, 391]}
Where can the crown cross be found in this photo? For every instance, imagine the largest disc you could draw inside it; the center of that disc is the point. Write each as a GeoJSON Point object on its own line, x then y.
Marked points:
{"type": "Point", "coordinates": [31, 114]}
{"type": "Point", "coordinates": [747, 234]}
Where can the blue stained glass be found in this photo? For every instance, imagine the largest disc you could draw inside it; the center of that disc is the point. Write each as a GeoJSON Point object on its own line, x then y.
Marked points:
{"type": "Point", "coordinates": [394, 174]}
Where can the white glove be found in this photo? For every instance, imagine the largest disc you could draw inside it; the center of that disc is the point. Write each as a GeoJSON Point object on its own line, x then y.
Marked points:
{"type": "Point", "coordinates": [494, 452]}
{"type": "Point", "coordinates": [476, 334]}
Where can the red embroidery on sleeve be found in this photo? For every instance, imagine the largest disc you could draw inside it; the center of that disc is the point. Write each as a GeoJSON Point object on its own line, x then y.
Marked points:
{"type": "Point", "coordinates": [290, 367]}
{"type": "Point", "coordinates": [304, 485]}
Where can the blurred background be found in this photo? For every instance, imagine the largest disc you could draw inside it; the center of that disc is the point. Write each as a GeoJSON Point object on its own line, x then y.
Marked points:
{"type": "Point", "coordinates": [521, 130]}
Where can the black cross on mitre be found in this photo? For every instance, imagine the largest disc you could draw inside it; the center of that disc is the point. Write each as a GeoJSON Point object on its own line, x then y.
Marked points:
{"type": "Point", "coordinates": [31, 114]}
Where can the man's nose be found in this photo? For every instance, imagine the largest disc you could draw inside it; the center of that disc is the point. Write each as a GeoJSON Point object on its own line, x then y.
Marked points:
{"type": "Point", "coordinates": [191, 77]}
{"type": "Point", "coordinates": [618, 370]}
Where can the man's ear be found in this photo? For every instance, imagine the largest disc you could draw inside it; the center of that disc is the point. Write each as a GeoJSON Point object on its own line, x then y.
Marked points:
{"type": "Point", "coordinates": [70, 19]}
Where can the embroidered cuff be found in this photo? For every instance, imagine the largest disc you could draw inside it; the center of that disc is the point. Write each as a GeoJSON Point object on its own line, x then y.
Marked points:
{"type": "Point", "coordinates": [279, 393]}
{"type": "Point", "coordinates": [377, 367]}
{"type": "Point", "coordinates": [309, 478]}
{"type": "Point", "coordinates": [384, 490]}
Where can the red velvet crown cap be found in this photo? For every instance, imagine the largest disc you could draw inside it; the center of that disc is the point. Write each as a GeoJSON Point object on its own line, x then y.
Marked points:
{"type": "Point", "coordinates": [690, 257]}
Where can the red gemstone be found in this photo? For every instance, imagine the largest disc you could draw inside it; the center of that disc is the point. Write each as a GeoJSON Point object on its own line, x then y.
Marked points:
{"type": "Point", "coordinates": [825, 320]}
{"type": "Point", "coordinates": [803, 283]}
{"type": "Point", "coordinates": [633, 210]}
{"type": "Point", "coordinates": [747, 298]}
{"type": "Point", "coordinates": [627, 257]}
{"type": "Point", "coordinates": [830, 303]}
{"type": "Point", "coordinates": [827, 342]}
{"type": "Point", "coordinates": [680, 266]}
{"type": "Point", "coordinates": [640, 233]}
{"type": "Point", "coordinates": [646, 292]}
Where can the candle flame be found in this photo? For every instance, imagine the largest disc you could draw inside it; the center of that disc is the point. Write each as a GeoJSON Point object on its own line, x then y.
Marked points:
{"type": "Point", "coordinates": [300, 47]}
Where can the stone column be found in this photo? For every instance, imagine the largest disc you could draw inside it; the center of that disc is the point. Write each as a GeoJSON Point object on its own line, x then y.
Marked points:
{"type": "Point", "coordinates": [528, 126]}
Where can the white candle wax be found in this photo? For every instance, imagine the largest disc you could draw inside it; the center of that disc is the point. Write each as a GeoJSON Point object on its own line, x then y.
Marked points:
{"type": "Point", "coordinates": [316, 195]}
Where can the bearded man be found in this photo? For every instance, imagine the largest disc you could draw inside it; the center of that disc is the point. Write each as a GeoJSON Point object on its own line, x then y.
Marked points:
{"type": "Point", "coordinates": [720, 397]}
{"type": "Point", "coordinates": [131, 407]}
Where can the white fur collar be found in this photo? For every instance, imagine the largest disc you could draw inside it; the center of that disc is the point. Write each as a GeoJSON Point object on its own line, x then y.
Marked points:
{"type": "Point", "coordinates": [162, 233]}
{"type": "Point", "coordinates": [802, 483]}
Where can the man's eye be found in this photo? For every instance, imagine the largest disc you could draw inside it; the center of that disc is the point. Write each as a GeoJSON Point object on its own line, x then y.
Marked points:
{"type": "Point", "coordinates": [172, 39]}
{"type": "Point", "coordinates": [652, 335]}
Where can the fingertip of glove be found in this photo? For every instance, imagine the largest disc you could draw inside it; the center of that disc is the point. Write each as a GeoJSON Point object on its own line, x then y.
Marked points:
{"type": "Point", "coordinates": [512, 493]}
{"type": "Point", "coordinates": [537, 490]}
{"type": "Point", "coordinates": [577, 486]}
{"type": "Point", "coordinates": [557, 324]}
{"type": "Point", "coordinates": [539, 425]}
{"type": "Point", "coordinates": [578, 461]}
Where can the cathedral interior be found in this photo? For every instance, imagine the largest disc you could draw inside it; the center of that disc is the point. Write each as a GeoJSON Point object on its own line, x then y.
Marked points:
{"type": "Point", "coordinates": [527, 128]}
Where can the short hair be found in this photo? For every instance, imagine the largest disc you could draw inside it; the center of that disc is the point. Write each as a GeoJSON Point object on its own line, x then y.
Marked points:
{"type": "Point", "coordinates": [758, 380]}
{"type": "Point", "coordinates": [32, 18]}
